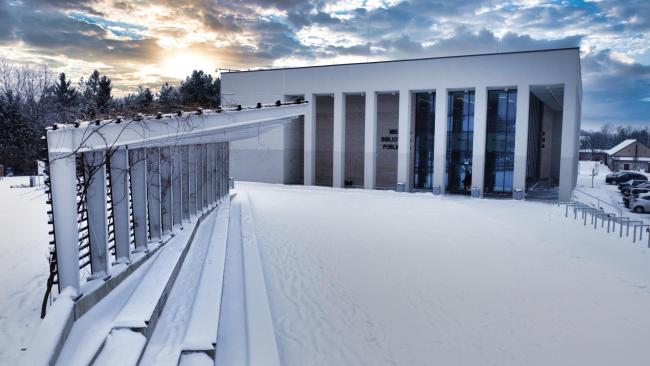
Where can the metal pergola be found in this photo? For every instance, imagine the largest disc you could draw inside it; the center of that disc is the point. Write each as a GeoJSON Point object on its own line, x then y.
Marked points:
{"type": "Point", "coordinates": [118, 184]}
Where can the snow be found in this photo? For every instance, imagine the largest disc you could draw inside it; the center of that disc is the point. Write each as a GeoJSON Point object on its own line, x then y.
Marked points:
{"type": "Point", "coordinates": [166, 343]}
{"type": "Point", "coordinates": [123, 347]}
{"type": "Point", "coordinates": [24, 265]}
{"type": "Point", "coordinates": [360, 277]}
{"type": "Point", "coordinates": [607, 195]}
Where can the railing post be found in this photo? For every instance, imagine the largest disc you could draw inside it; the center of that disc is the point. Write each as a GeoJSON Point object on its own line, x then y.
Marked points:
{"type": "Point", "coordinates": [153, 193]}
{"type": "Point", "coordinates": [95, 183]}
{"type": "Point", "coordinates": [166, 189]}
{"type": "Point", "coordinates": [63, 181]}
{"type": "Point", "coordinates": [177, 182]}
{"type": "Point", "coordinates": [138, 164]}
{"type": "Point", "coordinates": [120, 202]}
{"type": "Point", "coordinates": [215, 162]}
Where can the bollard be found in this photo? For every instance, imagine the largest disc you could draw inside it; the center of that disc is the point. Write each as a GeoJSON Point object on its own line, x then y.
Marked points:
{"type": "Point", "coordinates": [518, 194]}
{"type": "Point", "coordinates": [436, 190]}
{"type": "Point", "coordinates": [476, 192]}
{"type": "Point", "coordinates": [400, 187]}
{"type": "Point", "coordinates": [231, 182]}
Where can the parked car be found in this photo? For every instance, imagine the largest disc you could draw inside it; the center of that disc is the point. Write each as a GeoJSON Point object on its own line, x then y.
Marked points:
{"type": "Point", "coordinates": [641, 204]}
{"type": "Point", "coordinates": [618, 178]}
{"type": "Point", "coordinates": [631, 183]}
{"type": "Point", "coordinates": [633, 193]}
{"type": "Point", "coordinates": [638, 186]}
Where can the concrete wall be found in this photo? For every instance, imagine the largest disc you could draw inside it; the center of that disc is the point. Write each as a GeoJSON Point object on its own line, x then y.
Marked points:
{"type": "Point", "coordinates": [259, 159]}
{"type": "Point", "coordinates": [479, 72]}
{"type": "Point", "coordinates": [354, 139]}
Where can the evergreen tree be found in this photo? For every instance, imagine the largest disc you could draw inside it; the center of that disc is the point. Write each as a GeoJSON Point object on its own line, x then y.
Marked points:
{"type": "Point", "coordinates": [201, 90]}
{"type": "Point", "coordinates": [168, 96]}
{"type": "Point", "coordinates": [145, 97]}
{"type": "Point", "coordinates": [97, 93]}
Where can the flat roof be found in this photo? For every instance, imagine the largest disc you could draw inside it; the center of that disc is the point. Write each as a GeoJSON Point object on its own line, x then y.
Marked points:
{"type": "Point", "coordinates": [226, 71]}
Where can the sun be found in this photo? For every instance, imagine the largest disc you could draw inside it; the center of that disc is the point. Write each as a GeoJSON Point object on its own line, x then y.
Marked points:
{"type": "Point", "coordinates": [181, 63]}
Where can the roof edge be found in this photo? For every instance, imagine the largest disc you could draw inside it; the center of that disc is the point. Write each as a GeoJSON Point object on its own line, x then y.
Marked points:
{"type": "Point", "coordinates": [402, 60]}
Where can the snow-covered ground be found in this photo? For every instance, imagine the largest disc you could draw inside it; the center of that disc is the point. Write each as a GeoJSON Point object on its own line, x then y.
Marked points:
{"type": "Point", "coordinates": [607, 193]}
{"type": "Point", "coordinates": [382, 278]}
{"type": "Point", "coordinates": [23, 265]}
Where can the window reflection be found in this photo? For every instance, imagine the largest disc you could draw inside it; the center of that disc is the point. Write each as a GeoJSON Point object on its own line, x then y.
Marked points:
{"type": "Point", "coordinates": [423, 140]}
{"type": "Point", "coordinates": [460, 135]}
{"type": "Point", "coordinates": [500, 144]}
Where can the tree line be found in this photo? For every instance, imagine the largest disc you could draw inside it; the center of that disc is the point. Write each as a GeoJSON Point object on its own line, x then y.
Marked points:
{"type": "Point", "coordinates": [609, 136]}
{"type": "Point", "coordinates": [32, 98]}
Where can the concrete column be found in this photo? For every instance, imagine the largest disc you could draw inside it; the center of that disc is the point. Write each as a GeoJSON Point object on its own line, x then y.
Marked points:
{"type": "Point", "coordinates": [338, 162]}
{"type": "Point", "coordinates": [120, 202]}
{"type": "Point", "coordinates": [63, 183]}
{"type": "Point", "coordinates": [370, 141]}
{"type": "Point", "coordinates": [404, 139]}
{"type": "Point", "coordinates": [440, 139]}
{"type": "Point", "coordinates": [177, 183]}
{"type": "Point", "coordinates": [192, 184]}
{"type": "Point", "coordinates": [138, 164]}
{"type": "Point", "coordinates": [309, 170]}
{"type": "Point", "coordinates": [480, 136]}
{"type": "Point", "coordinates": [569, 147]}
{"type": "Point", "coordinates": [153, 193]}
{"type": "Point", "coordinates": [185, 178]}
{"type": "Point", "coordinates": [95, 182]}
{"type": "Point", "coordinates": [166, 189]}
{"type": "Point", "coordinates": [521, 137]}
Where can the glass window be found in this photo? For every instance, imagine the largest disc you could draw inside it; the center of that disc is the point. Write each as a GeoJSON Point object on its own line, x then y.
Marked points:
{"type": "Point", "coordinates": [425, 118]}
{"type": "Point", "coordinates": [500, 141]}
{"type": "Point", "coordinates": [460, 135]}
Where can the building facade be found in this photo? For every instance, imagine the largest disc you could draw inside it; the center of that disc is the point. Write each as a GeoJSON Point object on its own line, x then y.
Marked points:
{"type": "Point", "coordinates": [492, 124]}
{"type": "Point", "coordinates": [629, 155]}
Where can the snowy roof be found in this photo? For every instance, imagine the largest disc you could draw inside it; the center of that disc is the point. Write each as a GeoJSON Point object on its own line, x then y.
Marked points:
{"type": "Point", "coordinates": [620, 146]}
{"type": "Point", "coordinates": [630, 158]}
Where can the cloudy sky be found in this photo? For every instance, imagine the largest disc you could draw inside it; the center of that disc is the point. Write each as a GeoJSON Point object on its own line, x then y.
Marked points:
{"type": "Point", "coordinates": [149, 42]}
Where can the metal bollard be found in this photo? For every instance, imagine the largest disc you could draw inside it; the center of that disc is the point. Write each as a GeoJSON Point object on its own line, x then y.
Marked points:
{"type": "Point", "coordinates": [436, 190]}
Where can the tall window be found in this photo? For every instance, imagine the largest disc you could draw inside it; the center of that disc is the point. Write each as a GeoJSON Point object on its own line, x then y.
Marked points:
{"type": "Point", "coordinates": [425, 117]}
{"type": "Point", "coordinates": [460, 134]}
{"type": "Point", "coordinates": [500, 144]}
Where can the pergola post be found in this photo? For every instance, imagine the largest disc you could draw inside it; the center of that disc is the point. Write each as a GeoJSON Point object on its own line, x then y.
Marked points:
{"type": "Point", "coordinates": [210, 163]}
{"type": "Point", "coordinates": [185, 181]}
{"type": "Point", "coordinates": [120, 202]}
{"type": "Point", "coordinates": [153, 193]}
{"type": "Point", "coordinates": [166, 190]}
{"type": "Point", "coordinates": [199, 178]}
{"type": "Point", "coordinates": [215, 162]}
{"type": "Point", "coordinates": [95, 184]}
{"type": "Point", "coordinates": [204, 176]}
{"type": "Point", "coordinates": [138, 164]}
{"type": "Point", "coordinates": [191, 156]}
{"type": "Point", "coordinates": [63, 183]}
{"type": "Point", "coordinates": [177, 182]}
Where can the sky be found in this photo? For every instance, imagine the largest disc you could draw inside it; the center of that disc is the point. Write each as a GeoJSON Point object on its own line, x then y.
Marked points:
{"type": "Point", "coordinates": [152, 42]}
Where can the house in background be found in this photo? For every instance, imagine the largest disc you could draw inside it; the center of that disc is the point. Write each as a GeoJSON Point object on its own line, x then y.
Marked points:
{"type": "Point", "coordinates": [629, 155]}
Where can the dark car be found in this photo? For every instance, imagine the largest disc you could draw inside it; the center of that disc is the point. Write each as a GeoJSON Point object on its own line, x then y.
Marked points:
{"type": "Point", "coordinates": [634, 192]}
{"type": "Point", "coordinates": [638, 186]}
{"type": "Point", "coordinates": [619, 178]}
{"type": "Point", "coordinates": [631, 183]}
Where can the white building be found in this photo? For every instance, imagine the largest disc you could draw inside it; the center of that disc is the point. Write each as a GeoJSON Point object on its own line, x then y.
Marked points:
{"type": "Point", "coordinates": [493, 124]}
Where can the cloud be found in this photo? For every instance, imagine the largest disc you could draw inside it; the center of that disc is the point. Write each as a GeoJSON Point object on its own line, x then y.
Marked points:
{"type": "Point", "coordinates": [137, 41]}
